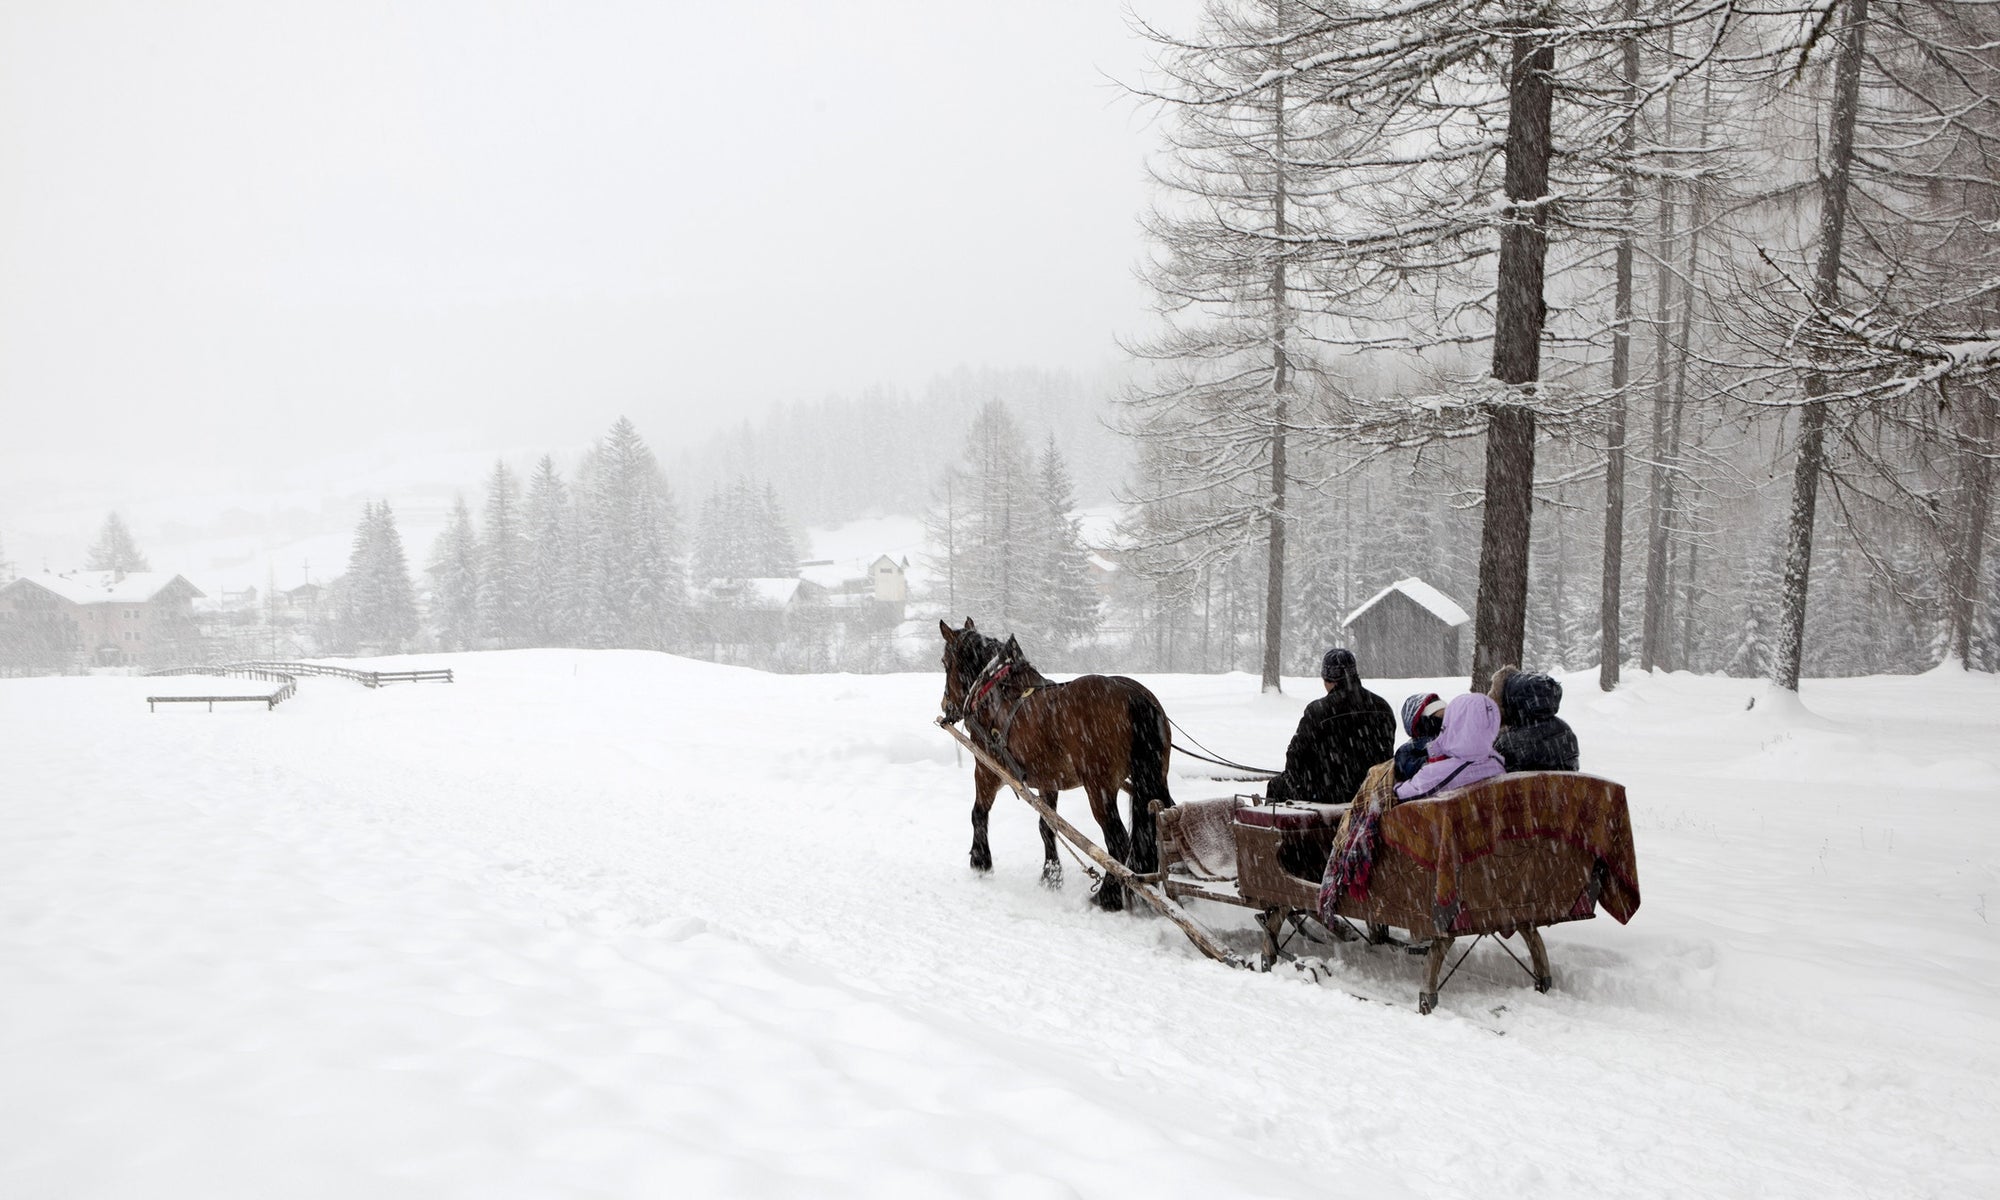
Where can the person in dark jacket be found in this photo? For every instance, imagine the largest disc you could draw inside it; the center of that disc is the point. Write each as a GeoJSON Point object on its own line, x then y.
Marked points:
{"type": "Point", "coordinates": [1340, 736]}
{"type": "Point", "coordinates": [1532, 737]}
{"type": "Point", "coordinates": [1423, 716]}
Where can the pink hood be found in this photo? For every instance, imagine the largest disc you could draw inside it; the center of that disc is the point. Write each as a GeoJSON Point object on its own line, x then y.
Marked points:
{"type": "Point", "coordinates": [1462, 753]}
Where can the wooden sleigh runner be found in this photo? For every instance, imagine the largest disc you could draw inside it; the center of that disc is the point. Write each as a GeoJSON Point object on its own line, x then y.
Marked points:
{"type": "Point", "coordinates": [1500, 858]}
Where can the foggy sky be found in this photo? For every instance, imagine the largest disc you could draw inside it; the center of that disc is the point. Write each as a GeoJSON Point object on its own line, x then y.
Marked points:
{"type": "Point", "coordinates": [244, 237]}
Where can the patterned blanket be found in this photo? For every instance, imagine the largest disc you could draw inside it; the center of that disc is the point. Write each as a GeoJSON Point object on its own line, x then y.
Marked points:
{"type": "Point", "coordinates": [1447, 833]}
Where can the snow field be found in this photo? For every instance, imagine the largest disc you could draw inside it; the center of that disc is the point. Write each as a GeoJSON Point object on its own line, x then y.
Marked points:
{"type": "Point", "coordinates": [619, 924]}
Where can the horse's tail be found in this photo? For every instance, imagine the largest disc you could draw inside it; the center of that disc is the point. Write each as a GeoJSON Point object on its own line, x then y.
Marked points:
{"type": "Point", "coordinates": [1150, 741]}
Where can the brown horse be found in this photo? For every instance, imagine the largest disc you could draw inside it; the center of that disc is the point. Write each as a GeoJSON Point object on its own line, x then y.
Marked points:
{"type": "Point", "coordinates": [1096, 732]}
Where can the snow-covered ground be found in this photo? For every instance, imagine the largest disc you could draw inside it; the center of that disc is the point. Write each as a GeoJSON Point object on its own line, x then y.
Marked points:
{"type": "Point", "coordinates": [618, 924]}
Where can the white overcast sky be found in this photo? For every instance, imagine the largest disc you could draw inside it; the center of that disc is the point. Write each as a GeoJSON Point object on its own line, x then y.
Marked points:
{"type": "Point", "coordinates": [244, 230]}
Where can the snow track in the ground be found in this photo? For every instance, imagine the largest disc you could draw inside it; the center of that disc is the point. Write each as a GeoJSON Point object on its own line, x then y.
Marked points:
{"type": "Point", "coordinates": [625, 925]}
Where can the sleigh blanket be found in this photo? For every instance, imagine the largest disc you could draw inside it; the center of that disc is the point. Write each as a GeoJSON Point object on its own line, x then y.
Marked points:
{"type": "Point", "coordinates": [1473, 842]}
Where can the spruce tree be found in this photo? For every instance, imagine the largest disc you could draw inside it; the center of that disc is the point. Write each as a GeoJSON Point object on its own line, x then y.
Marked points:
{"type": "Point", "coordinates": [1064, 604]}
{"type": "Point", "coordinates": [115, 550]}
{"type": "Point", "coordinates": [777, 549]}
{"type": "Point", "coordinates": [550, 597]}
{"type": "Point", "coordinates": [982, 524]}
{"type": "Point", "coordinates": [398, 620]}
{"type": "Point", "coordinates": [503, 562]}
{"type": "Point", "coordinates": [376, 605]}
{"type": "Point", "coordinates": [633, 582]}
{"type": "Point", "coordinates": [456, 581]}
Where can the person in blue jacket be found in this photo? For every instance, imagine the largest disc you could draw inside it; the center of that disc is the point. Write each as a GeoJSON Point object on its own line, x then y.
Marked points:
{"type": "Point", "coordinates": [1423, 716]}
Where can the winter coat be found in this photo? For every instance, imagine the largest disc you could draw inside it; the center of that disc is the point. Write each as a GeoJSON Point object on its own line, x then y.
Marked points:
{"type": "Point", "coordinates": [1411, 755]}
{"type": "Point", "coordinates": [1462, 752]}
{"type": "Point", "coordinates": [1532, 737]}
{"type": "Point", "coordinates": [1340, 736]}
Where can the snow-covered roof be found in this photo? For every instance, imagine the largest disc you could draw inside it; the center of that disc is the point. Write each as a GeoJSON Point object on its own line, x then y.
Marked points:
{"type": "Point", "coordinates": [769, 593]}
{"type": "Point", "coordinates": [105, 587]}
{"type": "Point", "coordinates": [1102, 563]}
{"type": "Point", "coordinates": [833, 575]}
{"type": "Point", "coordinates": [1439, 605]}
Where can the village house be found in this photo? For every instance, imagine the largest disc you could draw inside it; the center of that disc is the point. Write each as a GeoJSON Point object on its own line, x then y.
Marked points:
{"type": "Point", "coordinates": [759, 611]}
{"type": "Point", "coordinates": [873, 594]}
{"type": "Point", "coordinates": [51, 622]}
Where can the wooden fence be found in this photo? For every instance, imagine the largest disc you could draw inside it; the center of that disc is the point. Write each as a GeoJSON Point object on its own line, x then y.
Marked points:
{"type": "Point", "coordinates": [286, 674]}
{"type": "Point", "coordinates": [364, 678]}
{"type": "Point", "coordinates": [288, 686]}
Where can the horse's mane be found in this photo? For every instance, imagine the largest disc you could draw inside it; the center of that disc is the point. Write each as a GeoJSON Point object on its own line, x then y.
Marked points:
{"type": "Point", "coordinates": [977, 649]}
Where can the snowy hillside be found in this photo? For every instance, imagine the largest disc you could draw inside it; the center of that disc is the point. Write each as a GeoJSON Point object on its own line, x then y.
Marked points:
{"type": "Point", "coordinates": [618, 924]}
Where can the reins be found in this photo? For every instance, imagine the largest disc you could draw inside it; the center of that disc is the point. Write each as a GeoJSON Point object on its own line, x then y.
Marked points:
{"type": "Point", "coordinates": [1220, 762]}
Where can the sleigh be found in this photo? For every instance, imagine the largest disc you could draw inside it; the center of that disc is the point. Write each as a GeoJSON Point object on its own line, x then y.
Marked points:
{"type": "Point", "coordinates": [1502, 858]}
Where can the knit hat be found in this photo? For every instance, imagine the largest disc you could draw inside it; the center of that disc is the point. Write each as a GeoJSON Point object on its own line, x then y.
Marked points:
{"type": "Point", "coordinates": [1338, 662]}
{"type": "Point", "coordinates": [1420, 706]}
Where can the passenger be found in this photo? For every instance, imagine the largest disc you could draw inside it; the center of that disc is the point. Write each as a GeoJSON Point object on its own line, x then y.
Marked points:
{"type": "Point", "coordinates": [1340, 736]}
{"type": "Point", "coordinates": [1423, 716]}
{"type": "Point", "coordinates": [1532, 737]}
{"type": "Point", "coordinates": [1462, 752]}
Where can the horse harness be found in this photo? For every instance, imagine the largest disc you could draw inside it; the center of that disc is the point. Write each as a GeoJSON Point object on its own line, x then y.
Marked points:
{"type": "Point", "coordinates": [995, 740]}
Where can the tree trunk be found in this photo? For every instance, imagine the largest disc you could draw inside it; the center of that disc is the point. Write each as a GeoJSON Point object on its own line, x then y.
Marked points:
{"type": "Point", "coordinates": [1976, 487]}
{"type": "Point", "coordinates": [1517, 349]}
{"type": "Point", "coordinates": [1281, 382]}
{"type": "Point", "coordinates": [1826, 291]}
{"type": "Point", "coordinates": [1611, 591]}
{"type": "Point", "coordinates": [1652, 629]}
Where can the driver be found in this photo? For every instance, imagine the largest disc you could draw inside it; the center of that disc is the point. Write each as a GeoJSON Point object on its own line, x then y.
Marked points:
{"type": "Point", "coordinates": [1340, 736]}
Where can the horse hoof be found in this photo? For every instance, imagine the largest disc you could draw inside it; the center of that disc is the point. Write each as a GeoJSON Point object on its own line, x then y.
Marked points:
{"type": "Point", "coordinates": [1111, 897]}
{"type": "Point", "coordinates": [982, 862]}
{"type": "Point", "coordinates": [1052, 878]}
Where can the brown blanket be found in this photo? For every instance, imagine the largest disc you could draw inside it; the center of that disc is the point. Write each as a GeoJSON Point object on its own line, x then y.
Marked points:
{"type": "Point", "coordinates": [1447, 832]}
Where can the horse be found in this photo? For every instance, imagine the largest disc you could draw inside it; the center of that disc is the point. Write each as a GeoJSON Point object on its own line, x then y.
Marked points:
{"type": "Point", "coordinates": [1096, 732]}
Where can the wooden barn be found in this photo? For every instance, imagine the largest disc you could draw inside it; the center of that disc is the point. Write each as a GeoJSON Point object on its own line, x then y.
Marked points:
{"type": "Point", "coordinates": [1408, 630]}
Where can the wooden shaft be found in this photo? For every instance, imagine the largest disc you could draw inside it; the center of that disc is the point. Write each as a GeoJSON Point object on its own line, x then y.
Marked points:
{"type": "Point", "coordinates": [1164, 904]}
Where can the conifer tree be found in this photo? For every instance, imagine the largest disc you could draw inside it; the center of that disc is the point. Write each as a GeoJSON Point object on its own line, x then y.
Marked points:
{"type": "Point", "coordinates": [777, 549]}
{"type": "Point", "coordinates": [550, 596]}
{"type": "Point", "coordinates": [983, 524]}
{"type": "Point", "coordinates": [399, 596]}
{"type": "Point", "coordinates": [115, 550]}
{"type": "Point", "coordinates": [503, 562]}
{"type": "Point", "coordinates": [377, 605]}
{"type": "Point", "coordinates": [1063, 605]}
{"type": "Point", "coordinates": [455, 581]}
{"type": "Point", "coordinates": [633, 583]}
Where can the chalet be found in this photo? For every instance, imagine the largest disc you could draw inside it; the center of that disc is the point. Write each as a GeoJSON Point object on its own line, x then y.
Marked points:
{"type": "Point", "coordinates": [303, 600]}
{"type": "Point", "coordinates": [54, 622]}
{"type": "Point", "coordinates": [758, 611]}
{"type": "Point", "coordinates": [862, 592]}
{"type": "Point", "coordinates": [1408, 630]}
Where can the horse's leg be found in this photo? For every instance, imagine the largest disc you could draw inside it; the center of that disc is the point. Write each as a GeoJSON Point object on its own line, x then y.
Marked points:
{"type": "Point", "coordinates": [1051, 865]}
{"type": "Point", "coordinates": [1147, 781]}
{"type": "Point", "coordinates": [985, 786]}
{"type": "Point", "coordinates": [1104, 806]}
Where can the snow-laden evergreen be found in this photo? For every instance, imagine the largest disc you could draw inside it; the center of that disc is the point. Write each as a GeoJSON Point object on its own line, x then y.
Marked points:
{"type": "Point", "coordinates": [503, 562]}
{"type": "Point", "coordinates": [454, 572]}
{"type": "Point", "coordinates": [115, 549]}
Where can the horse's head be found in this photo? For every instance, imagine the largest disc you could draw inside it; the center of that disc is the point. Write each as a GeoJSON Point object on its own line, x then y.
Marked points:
{"type": "Point", "coordinates": [967, 654]}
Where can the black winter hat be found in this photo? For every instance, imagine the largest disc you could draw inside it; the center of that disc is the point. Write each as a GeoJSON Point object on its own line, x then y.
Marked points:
{"type": "Point", "coordinates": [1337, 662]}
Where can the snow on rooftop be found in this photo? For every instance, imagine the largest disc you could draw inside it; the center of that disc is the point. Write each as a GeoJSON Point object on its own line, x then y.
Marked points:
{"type": "Point", "coordinates": [105, 587]}
{"type": "Point", "coordinates": [769, 592]}
{"type": "Point", "coordinates": [1439, 605]}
